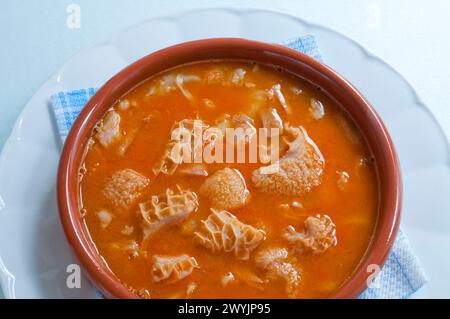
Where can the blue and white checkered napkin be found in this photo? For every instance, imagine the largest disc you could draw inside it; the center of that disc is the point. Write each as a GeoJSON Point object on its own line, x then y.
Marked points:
{"type": "Point", "coordinates": [400, 277]}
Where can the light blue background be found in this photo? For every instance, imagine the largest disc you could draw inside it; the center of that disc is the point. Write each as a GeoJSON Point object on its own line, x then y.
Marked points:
{"type": "Point", "coordinates": [411, 35]}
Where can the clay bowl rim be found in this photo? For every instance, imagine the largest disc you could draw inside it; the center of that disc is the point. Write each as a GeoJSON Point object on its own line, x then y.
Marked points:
{"type": "Point", "coordinates": [359, 109]}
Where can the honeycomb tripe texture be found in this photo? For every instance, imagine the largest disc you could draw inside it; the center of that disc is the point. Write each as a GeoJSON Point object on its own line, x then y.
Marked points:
{"type": "Point", "coordinates": [223, 232]}
{"type": "Point", "coordinates": [169, 208]}
{"type": "Point", "coordinates": [182, 147]}
{"type": "Point", "coordinates": [171, 269]}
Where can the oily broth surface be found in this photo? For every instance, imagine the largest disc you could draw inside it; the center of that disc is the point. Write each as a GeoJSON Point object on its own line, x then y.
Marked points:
{"type": "Point", "coordinates": [150, 118]}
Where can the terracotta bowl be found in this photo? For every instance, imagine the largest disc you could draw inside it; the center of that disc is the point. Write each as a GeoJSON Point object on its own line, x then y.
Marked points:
{"type": "Point", "coordinates": [362, 113]}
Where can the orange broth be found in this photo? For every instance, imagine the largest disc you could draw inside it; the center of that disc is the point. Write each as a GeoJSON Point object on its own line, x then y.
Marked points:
{"type": "Point", "coordinates": [149, 118]}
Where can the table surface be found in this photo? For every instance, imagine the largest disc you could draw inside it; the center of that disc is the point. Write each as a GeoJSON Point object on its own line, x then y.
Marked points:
{"type": "Point", "coordinates": [410, 35]}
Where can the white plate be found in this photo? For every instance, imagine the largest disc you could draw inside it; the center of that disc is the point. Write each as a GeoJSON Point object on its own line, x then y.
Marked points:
{"type": "Point", "coordinates": [34, 253]}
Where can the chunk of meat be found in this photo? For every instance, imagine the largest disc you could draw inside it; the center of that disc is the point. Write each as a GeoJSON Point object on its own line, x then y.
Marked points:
{"type": "Point", "coordinates": [127, 141]}
{"type": "Point", "coordinates": [225, 76]}
{"type": "Point", "coordinates": [191, 288]}
{"type": "Point", "coordinates": [316, 109]}
{"type": "Point", "coordinates": [167, 83]}
{"type": "Point", "coordinates": [318, 235]}
{"type": "Point", "coordinates": [242, 123]}
{"type": "Point", "coordinates": [166, 209]}
{"type": "Point", "coordinates": [227, 278]}
{"type": "Point", "coordinates": [104, 217]}
{"type": "Point", "coordinates": [296, 90]}
{"type": "Point", "coordinates": [266, 258]}
{"type": "Point", "coordinates": [171, 82]}
{"type": "Point", "coordinates": [246, 125]}
{"type": "Point", "coordinates": [237, 78]}
{"type": "Point", "coordinates": [194, 170]}
{"type": "Point", "coordinates": [151, 91]}
{"type": "Point", "coordinates": [130, 247]}
{"type": "Point", "coordinates": [274, 262]}
{"type": "Point", "coordinates": [275, 91]}
{"type": "Point", "coordinates": [248, 276]}
{"type": "Point", "coordinates": [297, 172]}
{"type": "Point", "coordinates": [226, 189]}
{"type": "Point", "coordinates": [181, 79]}
{"type": "Point", "coordinates": [223, 232]}
{"type": "Point", "coordinates": [269, 146]}
{"type": "Point", "coordinates": [124, 187]}
{"type": "Point", "coordinates": [109, 129]}
{"type": "Point", "coordinates": [342, 180]}
{"type": "Point", "coordinates": [182, 147]}
{"type": "Point", "coordinates": [172, 269]}
{"type": "Point", "coordinates": [167, 164]}
{"type": "Point", "coordinates": [216, 75]}
{"type": "Point", "coordinates": [124, 105]}
{"type": "Point", "coordinates": [349, 128]}
{"type": "Point", "coordinates": [270, 119]}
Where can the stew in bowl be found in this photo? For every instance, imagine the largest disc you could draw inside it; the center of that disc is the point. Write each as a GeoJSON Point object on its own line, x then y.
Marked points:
{"type": "Point", "coordinates": [228, 168]}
